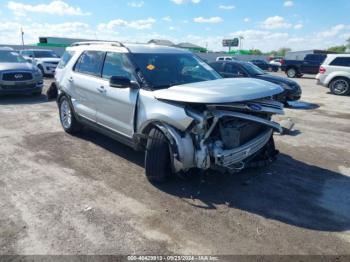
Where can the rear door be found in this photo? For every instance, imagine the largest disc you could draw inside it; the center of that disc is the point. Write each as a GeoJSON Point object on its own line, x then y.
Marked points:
{"type": "Point", "coordinates": [116, 108]}
{"type": "Point", "coordinates": [86, 81]}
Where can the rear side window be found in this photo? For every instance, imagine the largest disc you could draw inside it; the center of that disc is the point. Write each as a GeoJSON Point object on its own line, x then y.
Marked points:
{"type": "Point", "coordinates": [341, 61]}
{"type": "Point", "coordinates": [67, 56]}
{"type": "Point", "coordinates": [90, 63]}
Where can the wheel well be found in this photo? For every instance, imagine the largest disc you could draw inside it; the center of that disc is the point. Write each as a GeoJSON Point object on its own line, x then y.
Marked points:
{"type": "Point", "coordinates": [292, 67]}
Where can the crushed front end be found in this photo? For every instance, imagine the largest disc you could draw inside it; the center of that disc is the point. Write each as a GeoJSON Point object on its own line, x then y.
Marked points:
{"type": "Point", "coordinates": [234, 136]}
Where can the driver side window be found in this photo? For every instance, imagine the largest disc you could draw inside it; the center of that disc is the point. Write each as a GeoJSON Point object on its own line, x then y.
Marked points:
{"type": "Point", "coordinates": [116, 64]}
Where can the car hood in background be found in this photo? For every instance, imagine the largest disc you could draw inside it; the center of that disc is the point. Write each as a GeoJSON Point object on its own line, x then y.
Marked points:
{"type": "Point", "coordinates": [219, 91]}
{"type": "Point", "coordinates": [48, 59]}
{"type": "Point", "coordinates": [17, 66]}
{"type": "Point", "coordinates": [276, 79]}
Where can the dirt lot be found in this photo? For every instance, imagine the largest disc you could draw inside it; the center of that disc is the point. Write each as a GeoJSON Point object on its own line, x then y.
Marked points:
{"type": "Point", "coordinates": [61, 194]}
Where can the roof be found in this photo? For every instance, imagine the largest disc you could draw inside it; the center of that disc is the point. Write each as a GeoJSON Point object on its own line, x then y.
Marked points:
{"type": "Point", "coordinates": [161, 42]}
{"type": "Point", "coordinates": [36, 50]}
{"type": "Point", "coordinates": [133, 48]}
{"type": "Point", "coordinates": [337, 55]}
{"type": "Point", "coordinates": [151, 48]}
{"type": "Point", "coordinates": [6, 48]}
{"type": "Point", "coordinates": [188, 45]}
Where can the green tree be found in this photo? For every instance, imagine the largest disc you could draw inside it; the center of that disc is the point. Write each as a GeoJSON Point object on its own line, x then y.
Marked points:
{"type": "Point", "coordinates": [337, 49]}
{"type": "Point", "coordinates": [255, 52]}
{"type": "Point", "coordinates": [348, 41]}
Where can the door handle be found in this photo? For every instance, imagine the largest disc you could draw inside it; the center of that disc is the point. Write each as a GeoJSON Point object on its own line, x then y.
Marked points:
{"type": "Point", "coordinates": [101, 89]}
{"type": "Point", "coordinates": [71, 79]}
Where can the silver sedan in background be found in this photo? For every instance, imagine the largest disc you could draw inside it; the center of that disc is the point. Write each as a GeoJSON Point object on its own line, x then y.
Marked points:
{"type": "Point", "coordinates": [17, 75]}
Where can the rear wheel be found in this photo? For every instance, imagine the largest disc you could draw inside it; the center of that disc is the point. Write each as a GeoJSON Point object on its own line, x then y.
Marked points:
{"type": "Point", "coordinates": [69, 123]}
{"type": "Point", "coordinates": [157, 158]}
{"type": "Point", "coordinates": [291, 72]}
{"type": "Point", "coordinates": [340, 86]}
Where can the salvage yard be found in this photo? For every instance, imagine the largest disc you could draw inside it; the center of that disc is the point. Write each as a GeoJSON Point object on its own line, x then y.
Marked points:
{"type": "Point", "coordinates": [88, 194]}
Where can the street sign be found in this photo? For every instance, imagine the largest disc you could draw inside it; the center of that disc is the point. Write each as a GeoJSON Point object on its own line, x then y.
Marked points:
{"type": "Point", "coordinates": [230, 42]}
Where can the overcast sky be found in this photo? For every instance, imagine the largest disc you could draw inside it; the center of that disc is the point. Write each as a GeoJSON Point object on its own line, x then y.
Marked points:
{"type": "Point", "coordinates": [266, 24]}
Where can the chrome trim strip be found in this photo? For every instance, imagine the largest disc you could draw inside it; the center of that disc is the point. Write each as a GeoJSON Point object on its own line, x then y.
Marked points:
{"type": "Point", "coordinates": [230, 157]}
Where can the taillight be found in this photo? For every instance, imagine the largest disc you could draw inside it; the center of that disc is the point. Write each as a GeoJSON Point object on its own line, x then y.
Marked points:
{"type": "Point", "coordinates": [282, 61]}
{"type": "Point", "coordinates": [322, 70]}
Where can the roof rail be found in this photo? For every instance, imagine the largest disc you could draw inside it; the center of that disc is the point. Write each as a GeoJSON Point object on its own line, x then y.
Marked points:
{"type": "Point", "coordinates": [111, 43]}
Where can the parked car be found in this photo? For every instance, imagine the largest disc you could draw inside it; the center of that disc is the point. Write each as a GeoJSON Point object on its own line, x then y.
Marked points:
{"type": "Point", "coordinates": [277, 62]}
{"type": "Point", "coordinates": [265, 65]}
{"type": "Point", "coordinates": [168, 102]}
{"type": "Point", "coordinates": [17, 76]}
{"type": "Point", "coordinates": [335, 74]}
{"type": "Point", "coordinates": [45, 60]}
{"type": "Point", "coordinates": [226, 58]}
{"type": "Point", "coordinates": [310, 65]}
{"type": "Point", "coordinates": [292, 90]}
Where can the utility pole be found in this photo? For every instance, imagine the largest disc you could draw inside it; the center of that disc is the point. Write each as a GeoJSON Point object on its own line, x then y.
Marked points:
{"type": "Point", "coordinates": [22, 36]}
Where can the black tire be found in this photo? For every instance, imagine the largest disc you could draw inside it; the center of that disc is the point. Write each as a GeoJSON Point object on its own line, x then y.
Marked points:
{"type": "Point", "coordinates": [157, 158]}
{"type": "Point", "coordinates": [72, 126]}
{"type": "Point", "coordinates": [340, 86]}
{"type": "Point", "coordinates": [292, 72]}
{"type": "Point", "coordinates": [36, 94]}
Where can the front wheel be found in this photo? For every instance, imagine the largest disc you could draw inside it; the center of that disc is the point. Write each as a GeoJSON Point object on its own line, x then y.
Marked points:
{"type": "Point", "coordinates": [69, 123]}
{"type": "Point", "coordinates": [157, 158]}
{"type": "Point", "coordinates": [340, 86]}
{"type": "Point", "coordinates": [291, 72]}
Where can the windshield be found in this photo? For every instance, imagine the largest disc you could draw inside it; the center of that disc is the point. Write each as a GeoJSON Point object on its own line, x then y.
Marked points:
{"type": "Point", "coordinates": [165, 70]}
{"type": "Point", "coordinates": [253, 69]}
{"type": "Point", "coordinates": [11, 57]}
{"type": "Point", "coordinates": [45, 54]}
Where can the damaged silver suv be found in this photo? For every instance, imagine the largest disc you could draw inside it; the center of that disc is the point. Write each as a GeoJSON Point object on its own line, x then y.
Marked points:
{"type": "Point", "coordinates": [169, 103]}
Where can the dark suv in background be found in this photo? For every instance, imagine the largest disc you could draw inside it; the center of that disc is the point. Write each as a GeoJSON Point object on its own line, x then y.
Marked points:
{"type": "Point", "coordinates": [262, 64]}
{"type": "Point", "coordinates": [229, 69]}
{"type": "Point", "coordinates": [297, 68]}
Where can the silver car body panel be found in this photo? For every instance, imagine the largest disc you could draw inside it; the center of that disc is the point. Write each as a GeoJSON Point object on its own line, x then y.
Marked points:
{"type": "Point", "coordinates": [220, 91]}
{"type": "Point", "coordinates": [151, 110]}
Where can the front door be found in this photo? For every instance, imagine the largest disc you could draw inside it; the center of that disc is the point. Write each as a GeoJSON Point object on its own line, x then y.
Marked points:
{"type": "Point", "coordinates": [116, 108]}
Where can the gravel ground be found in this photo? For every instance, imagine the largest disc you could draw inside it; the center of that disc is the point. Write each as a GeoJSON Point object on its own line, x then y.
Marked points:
{"type": "Point", "coordinates": [61, 194]}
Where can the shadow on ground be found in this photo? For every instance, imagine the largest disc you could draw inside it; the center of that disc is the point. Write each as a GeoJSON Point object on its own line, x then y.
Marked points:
{"type": "Point", "coordinates": [301, 105]}
{"type": "Point", "coordinates": [289, 191]}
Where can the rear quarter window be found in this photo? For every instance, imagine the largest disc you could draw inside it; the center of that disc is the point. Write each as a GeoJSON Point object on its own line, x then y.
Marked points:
{"type": "Point", "coordinates": [341, 61]}
{"type": "Point", "coordinates": [67, 56]}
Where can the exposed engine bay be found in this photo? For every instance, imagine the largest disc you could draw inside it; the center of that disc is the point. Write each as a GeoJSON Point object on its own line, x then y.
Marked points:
{"type": "Point", "coordinates": [228, 137]}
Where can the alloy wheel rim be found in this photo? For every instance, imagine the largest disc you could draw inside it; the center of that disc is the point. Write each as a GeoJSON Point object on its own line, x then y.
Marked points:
{"type": "Point", "coordinates": [340, 86]}
{"type": "Point", "coordinates": [66, 115]}
{"type": "Point", "coordinates": [291, 72]}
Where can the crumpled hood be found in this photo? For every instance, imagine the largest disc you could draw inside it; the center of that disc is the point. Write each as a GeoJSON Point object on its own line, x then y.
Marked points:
{"type": "Point", "coordinates": [220, 91]}
{"type": "Point", "coordinates": [17, 66]}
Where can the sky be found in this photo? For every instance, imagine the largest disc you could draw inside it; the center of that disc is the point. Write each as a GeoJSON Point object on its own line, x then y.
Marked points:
{"type": "Point", "coordinates": [265, 24]}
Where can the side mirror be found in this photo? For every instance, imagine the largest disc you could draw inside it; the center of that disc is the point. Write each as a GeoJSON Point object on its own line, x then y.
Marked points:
{"type": "Point", "coordinates": [29, 61]}
{"type": "Point", "coordinates": [122, 82]}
